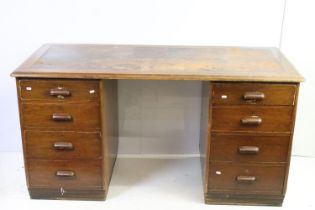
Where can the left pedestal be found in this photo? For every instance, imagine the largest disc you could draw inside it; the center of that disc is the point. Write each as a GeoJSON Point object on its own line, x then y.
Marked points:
{"type": "Point", "coordinates": [69, 132]}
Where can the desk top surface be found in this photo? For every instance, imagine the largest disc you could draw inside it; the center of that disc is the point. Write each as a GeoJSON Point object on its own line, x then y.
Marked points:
{"type": "Point", "coordinates": [159, 63]}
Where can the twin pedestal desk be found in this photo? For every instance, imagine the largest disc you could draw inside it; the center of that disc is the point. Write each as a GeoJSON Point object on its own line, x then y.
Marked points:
{"type": "Point", "coordinates": [69, 120]}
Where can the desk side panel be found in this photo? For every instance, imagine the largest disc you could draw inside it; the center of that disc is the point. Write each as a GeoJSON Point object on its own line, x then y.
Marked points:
{"type": "Point", "coordinates": [204, 133]}
{"type": "Point", "coordinates": [109, 118]}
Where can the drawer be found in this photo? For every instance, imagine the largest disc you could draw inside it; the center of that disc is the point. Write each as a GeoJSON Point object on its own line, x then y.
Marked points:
{"type": "Point", "coordinates": [267, 179]}
{"type": "Point", "coordinates": [59, 90]}
{"type": "Point", "coordinates": [62, 145]}
{"type": "Point", "coordinates": [252, 118]}
{"type": "Point", "coordinates": [66, 174]}
{"type": "Point", "coordinates": [245, 148]}
{"type": "Point", "coordinates": [61, 116]}
{"type": "Point", "coordinates": [253, 93]}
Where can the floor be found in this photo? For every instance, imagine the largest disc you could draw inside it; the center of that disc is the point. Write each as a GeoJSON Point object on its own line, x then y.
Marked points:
{"type": "Point", "coordinates": [150, 183]}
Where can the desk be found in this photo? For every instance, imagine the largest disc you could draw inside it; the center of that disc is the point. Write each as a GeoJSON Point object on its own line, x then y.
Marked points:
{"type": "Point", "coordinates": [69, 120]}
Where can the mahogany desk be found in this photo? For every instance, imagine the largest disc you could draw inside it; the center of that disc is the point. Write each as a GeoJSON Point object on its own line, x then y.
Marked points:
{"type": "Point", "coordinates": [68, 112]}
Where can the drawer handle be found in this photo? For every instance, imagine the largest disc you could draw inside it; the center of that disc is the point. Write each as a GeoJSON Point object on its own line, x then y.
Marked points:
{"type": "Point", "coordinates": [63, 146]}
{"type": "Point", "coordinates": [255, 95]}
{"type": "Point", "coordinates": [60, 93]}
{"type": "Point", "coordinates": [246, 179]}
{"type": "Point", "coordinates": [251, 150]}
{"type": "Point", "coordinates": [65, 173]}
{"type": "Point", "coordinates": [61, 117]}
{"type": "Point", "coordinates": [252, 120]}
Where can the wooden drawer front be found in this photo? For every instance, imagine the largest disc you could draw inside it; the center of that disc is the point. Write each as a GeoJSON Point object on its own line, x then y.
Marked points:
{"type": "Point", "coordinates": [235, 118]}
{"type": "Point", "coordinates": [63, 145]}
{"type": "Point", "coordinates": [66, 174]}
{"type": "Point", "coordinates": [253, 93]}
{"type": "Point", "coordinates": [244, 148]}
{"type": "Point", "coordinates": [59, 90]}
{"type": "Point", "coordinates": [77, 116]}
{"type": "Point", "coordinates": [246, 178]}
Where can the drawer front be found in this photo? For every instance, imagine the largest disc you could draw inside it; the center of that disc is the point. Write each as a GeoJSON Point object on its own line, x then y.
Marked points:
{"type": "Point", "coordinates": [252, 118]}
{"type": "Point", "coordinates": [253, 93]}
{"type": "Point", "coordinates": [267, 179]}
{"type": "Point", "coordinates": [59, 90]}
{"type": "Point", "coordinates": [63, 145]}
{"type": "Point", "coordinates": [61, 116]}
{"type": "Point", "coordinates": [65, 174]}
{"type": "Point", "coordinates": [244, 148]}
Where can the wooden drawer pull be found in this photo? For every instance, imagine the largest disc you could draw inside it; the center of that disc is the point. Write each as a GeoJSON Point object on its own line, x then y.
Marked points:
{"type": "Point", "coordinates": [63, 146]}
{"type": "Point", "coordinates": [257, 96]}
{"type": "Point", "coordinates": [245, 179]}
{"type": "Point", "coordinates": [61, 117]}
{"type": "Point", "coordinates": [59, 92]}
{"type": "Point", "coordinates": [251, 150]}
{"type": "Point", "coordinates": [252, 120]}
{"type": "Point", "coordinates": [65, 173]}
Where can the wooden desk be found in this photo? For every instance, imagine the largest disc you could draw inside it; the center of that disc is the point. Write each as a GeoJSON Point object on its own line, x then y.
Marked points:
{"type": "Point", "coordinates": [68, 113]}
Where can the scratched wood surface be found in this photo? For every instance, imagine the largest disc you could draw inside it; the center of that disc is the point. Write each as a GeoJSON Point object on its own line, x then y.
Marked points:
{"type": "Point", "coordinates": [159, 63]}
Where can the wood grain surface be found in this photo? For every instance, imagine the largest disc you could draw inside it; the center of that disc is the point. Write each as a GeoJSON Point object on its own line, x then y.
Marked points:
{"type": "Point", "coordinates": [40, 144]}
{"type": "Point", "coordinates": [274, 118]}
{"type": "Point", "coordinates": [159, 63]}
{"type": "Point", "coordinates": [268, 179]}
{"type": "Point", "coordinates": [87, 174]}
{"type": "Point", "coordinates": [225, 147]}
{"type": "Point", "coordinates": [84, 116]}
{"type": "Point", "coordinates": [40, 90]}
{"type": "Point", "coordinates": [234, 93]}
